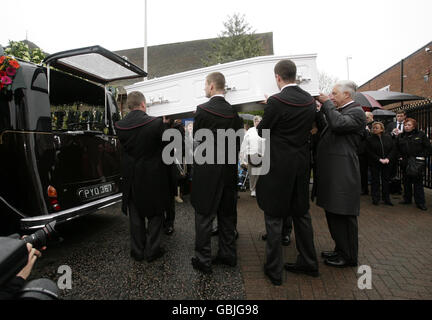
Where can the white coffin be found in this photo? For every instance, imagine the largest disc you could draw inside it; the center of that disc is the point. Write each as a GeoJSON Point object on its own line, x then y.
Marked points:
{"type": "Point", "coordinates": [247, 83]}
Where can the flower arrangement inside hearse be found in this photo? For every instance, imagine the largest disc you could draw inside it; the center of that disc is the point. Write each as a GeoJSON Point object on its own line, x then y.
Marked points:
{"type": "Point", "coordinates": [8, 70]}
{"type": "Point", "coordinates": [77, 116]}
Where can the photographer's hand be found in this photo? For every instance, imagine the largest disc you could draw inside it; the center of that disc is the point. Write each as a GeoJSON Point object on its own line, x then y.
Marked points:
{"type": "Point", "coordinates": [33, 255]}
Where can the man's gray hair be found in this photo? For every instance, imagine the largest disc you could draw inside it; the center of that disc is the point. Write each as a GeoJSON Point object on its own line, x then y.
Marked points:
{"type": "Point", "coordinates": [347, 86]}
{"type": "Point", "coordinates": [259, 118]}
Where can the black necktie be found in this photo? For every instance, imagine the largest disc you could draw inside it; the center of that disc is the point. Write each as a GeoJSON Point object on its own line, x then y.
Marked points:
{"type": "Point", "coordinates": [400, 126]}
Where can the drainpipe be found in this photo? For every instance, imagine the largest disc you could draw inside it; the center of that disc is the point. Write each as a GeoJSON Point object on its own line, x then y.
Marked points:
{"type": "Point", "coordinates": [402, 78]}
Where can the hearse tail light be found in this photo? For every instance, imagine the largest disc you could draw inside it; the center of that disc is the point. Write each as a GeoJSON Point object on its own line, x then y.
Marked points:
{"type": "Point", "coordinates": [52, 192]}
{"type": "Point", "coordinates": [52, 195]}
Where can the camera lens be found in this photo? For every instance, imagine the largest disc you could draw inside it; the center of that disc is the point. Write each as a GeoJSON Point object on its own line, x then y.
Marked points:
{"type": "Point", "coordinates": [39, 238]}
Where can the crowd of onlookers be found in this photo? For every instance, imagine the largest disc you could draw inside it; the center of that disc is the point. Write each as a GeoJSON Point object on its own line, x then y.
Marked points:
{"type": "Point", "coordinates": [384, 149]}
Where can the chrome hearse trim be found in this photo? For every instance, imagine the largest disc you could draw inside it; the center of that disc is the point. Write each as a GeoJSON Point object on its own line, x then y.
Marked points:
{"type": "Point", "coordinates": [69, 214]}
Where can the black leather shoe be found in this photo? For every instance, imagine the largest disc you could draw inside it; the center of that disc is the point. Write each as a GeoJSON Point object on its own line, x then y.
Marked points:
{"type": "Point", "coordinates": [422, 207]}
{"type": "Point", "coordinates": [264, 237]}
{"type": "Point", "coordinates": [215, 232]}
{"type": "Point", "coordinates": [389, 203]}
{"type": "Point", "coordinates": [339, 262]}
{"type": "Point", "coordinates": [137, 257]}
{"type": "Point", "coordinates": [375, 203]}
{"type": "Point", "coordinates": [219, 260]}
{"type": "Point", "coordinates": [169, 231]}
{"type": "Point", "coordinates": [274, 281]}
{"type": "Point", "coordinates": [292, 267]}
{"type": "Point", "coordinates": [286, 240]}
{"type": "Point", "coordinates": [329, 254]}
{"type": "Point", "coordinates": [156, 256]}
{"type": "Point", "coordinates": [405, 202]}
{"type": "Point", "coordinates": [197, 265]}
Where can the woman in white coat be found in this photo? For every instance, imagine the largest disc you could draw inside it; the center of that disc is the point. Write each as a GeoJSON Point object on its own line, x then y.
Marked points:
{"type": "Point", "coordinates": [251, 150]}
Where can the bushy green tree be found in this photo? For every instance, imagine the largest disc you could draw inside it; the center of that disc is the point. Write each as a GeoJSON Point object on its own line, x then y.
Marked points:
{"type": "Point", "coordinates": [236, 42]}
{"type": "Point", "coordinates": [21, 50]}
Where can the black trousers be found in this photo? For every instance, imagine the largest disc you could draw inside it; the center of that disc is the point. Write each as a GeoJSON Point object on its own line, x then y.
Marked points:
{"type": "Point", "coordinates": [170, 212]}
{"type": "Point", "coordinates": [304, 242]}
{"type": "Point", "coordinates": [363, 161]}
{"type": "Point", "coordinates": [380, 174]}
{"type": "Point", "coordinates": [145, 240]}
{"type": "Point", "coordinates": [344, 231]}
{"type": "Point", "coordinates": [287, 226]}
{"type": "Point", "coordinates": [224, 209]}
{"type": "Point", "coordinates": [408, 183]}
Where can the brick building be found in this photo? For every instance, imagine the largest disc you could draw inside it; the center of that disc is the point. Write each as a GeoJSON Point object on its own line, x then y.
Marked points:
{"type": "Point", "coordinates": [412, 74]}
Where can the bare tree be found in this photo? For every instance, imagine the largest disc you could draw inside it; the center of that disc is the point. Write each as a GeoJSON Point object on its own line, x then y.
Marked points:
{"type": "Point", "coordinates": [326, 82]}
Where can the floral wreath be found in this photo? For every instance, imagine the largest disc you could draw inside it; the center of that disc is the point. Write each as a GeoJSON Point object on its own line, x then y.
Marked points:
{"type": "Point", "coordinates": [8, 70]}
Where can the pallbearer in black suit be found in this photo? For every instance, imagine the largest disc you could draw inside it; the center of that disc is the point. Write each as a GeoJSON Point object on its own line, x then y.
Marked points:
{"type": "Point", "coordinates": [284, 190]}
{"type": "Point", "coordinates": [214, 184]}
{"type": "Point", "coordinates": [145, 177]}
{"type": "Point", "coordinates": [338, 171]}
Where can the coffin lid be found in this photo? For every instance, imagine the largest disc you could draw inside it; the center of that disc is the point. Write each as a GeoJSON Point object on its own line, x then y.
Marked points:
{"type": "Point", "coordinates": [95, 63]}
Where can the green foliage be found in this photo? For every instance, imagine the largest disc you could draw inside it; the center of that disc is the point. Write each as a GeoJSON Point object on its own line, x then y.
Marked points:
{"type": "Point", "coordinates": [254, 113]}
{"type": "Point", "coordinates": [236, 42]}
{"type": "Point", "coordinates": [21, 50]}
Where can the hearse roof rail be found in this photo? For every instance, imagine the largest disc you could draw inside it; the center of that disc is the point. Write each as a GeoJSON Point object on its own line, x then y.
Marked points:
{"type": "Point", "coordinates": [95, 64]}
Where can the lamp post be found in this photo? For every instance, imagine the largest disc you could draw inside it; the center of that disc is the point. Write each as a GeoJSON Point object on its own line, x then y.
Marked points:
{"type": "Point", "coordinates": [145, 64]}
{"type": "Point", "coordinates": [347, 60]}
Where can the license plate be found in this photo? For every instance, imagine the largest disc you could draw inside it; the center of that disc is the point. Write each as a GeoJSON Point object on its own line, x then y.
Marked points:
{"type": "Point", "coordinates": [94, 192]}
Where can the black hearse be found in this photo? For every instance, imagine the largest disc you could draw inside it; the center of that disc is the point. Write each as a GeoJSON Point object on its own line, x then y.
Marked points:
{"type": "Point", "coordinates": [59, 155]}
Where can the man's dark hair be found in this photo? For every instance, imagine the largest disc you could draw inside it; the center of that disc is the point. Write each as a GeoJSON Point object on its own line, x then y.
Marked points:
{"type": "Point", "coordinates": [286, 69]}
{"type": "Point", "coordinates": [218, 79]}
{"type": "Point", "coordinates": [401, 111]}
{"type": "Point", "coordinates": [134, 99]}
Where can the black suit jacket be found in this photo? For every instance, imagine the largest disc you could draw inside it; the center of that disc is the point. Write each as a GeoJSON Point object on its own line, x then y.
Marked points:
{"type": "Point", "coordinates": [284, 190]}
{"type": "Point", "coordinates": [143, 172]}
{"type": "Point", "coordinates": [215, 114]}
{"type": "Point", "coordinates": [338, 169]}
{"type": "Point", "coordinates": [389, 127]}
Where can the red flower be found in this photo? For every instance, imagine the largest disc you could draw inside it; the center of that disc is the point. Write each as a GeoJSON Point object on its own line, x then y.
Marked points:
{"type": "Point", "coordinates": [6, 80]}
{"type": "Point", "coordinates": [2, 59]}
{"type": "Point", "coordinates": [10, 71]}
{"type": "Point", "coordinates": [14, 63]}
{"type": "Point", "coordinates": [2, 74]}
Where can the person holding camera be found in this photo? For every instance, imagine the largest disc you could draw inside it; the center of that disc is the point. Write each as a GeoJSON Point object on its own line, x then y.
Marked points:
{"type": "Point", "coordinates": [413, 146]}
{"type": "Point", "coordinates": [381, 152]}
{"type": "Point", "coordinates": [12, 288]}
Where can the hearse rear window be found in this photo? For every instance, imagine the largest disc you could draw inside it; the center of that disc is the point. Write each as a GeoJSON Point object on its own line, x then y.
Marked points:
{"type": "Point", "coordinates": [76, 104]}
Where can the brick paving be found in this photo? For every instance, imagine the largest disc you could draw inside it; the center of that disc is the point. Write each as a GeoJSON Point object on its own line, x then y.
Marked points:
{"type": "Point", "coordinates": [396, 242]}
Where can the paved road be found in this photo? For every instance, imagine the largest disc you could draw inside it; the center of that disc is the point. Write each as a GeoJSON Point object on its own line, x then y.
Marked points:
{"type": "Point", "coordinates": [394, 241]}
{"type": "Point", "coordinates": [96, 247]}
